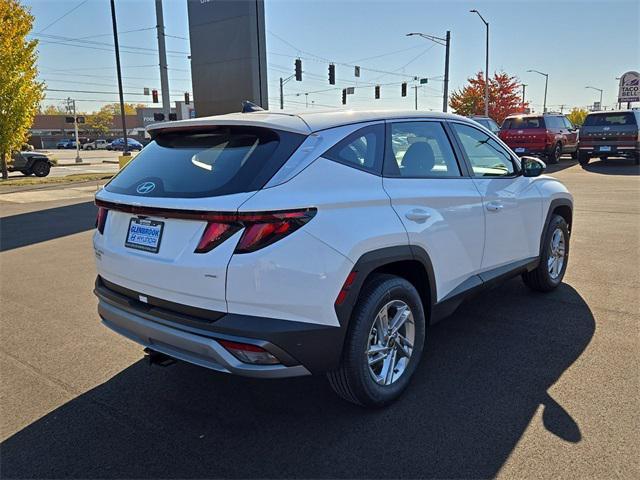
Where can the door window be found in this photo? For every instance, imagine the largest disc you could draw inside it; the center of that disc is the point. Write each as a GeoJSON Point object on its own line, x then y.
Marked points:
{"type": "Point", "coordinates": [362, 149]}
{"type": "Point", "coordinates": [487, 157]}
{"type": "Point", "coordinates": [420, 150]}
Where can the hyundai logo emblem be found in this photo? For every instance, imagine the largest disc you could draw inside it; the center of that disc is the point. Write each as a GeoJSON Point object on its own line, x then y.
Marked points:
{"type": "Point", "coordinates": [146, 187]}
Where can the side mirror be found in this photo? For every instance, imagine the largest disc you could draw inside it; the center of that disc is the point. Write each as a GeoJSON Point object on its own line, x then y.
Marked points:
{"type": "Point", "coordinates": [532, 166]}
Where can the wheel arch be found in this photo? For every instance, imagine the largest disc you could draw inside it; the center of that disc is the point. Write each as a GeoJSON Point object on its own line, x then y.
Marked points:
{"type": "Point", "coordinates": [558, 206]}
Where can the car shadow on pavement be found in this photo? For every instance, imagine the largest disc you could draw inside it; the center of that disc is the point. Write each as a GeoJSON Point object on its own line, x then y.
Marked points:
{"type": "Point", "coordinates": [487, 371]}
{"type": "Point", "coordinates": [613, 166]}
{"type": "Point", "coordinates": [563, 163]}
{"type": "Point", "coordinates": [39, 226]}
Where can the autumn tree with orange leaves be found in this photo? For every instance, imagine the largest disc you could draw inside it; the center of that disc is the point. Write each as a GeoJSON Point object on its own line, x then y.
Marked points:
{"type": "Point", "coordinates": [504, 97]}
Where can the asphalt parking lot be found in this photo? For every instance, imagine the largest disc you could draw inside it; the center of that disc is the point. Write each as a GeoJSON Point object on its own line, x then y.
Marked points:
{"type": "Point", "coordinates": [515, 384]}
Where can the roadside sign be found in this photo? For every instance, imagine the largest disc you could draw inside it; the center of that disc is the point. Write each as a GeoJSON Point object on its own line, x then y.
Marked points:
{"type": "Point", "coordinates": [423, 81]}
{"type": "Point", "coordinates": [596, 106]}
{"type": "Point", "coordinates": [629, 89]}
{"type": "Point", "coordinates": [351, 90]}
{"type": "Point", "coordinates": [145, 91]}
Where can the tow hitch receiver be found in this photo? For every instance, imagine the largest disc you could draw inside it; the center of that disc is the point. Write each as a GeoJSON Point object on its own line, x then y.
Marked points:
{"type": "Point", "coordinates": [157, 358]}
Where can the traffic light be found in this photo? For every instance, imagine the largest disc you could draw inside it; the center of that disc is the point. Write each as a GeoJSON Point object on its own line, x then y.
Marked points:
{"type": "Point", "coordinates": [344, 96]}
{"type": "Point", "coordinates": [298, 70]}
{"type": "Point", "coordinates": [377, 91]}
{"type": "Point", "coordinates": [404, 89]}
{"type": "Point", "coordinates": [154, 96]}
{"type": "Point", "coordinates": [186, 98]}
{"type": "Point", "coordinates": [332, 74]}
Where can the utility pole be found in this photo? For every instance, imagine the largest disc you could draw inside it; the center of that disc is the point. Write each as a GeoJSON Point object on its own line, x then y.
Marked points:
{"type": "Point", "coordinates": [524, 89]}
{"type": "Point", "coordinates": [446, 42]}
{"type": "Point", "coordinates": [445, 99]}
{"type": "Point", "coordinates": [415, 88]}
{"type": "Point", "coordinates": [71, 108]}
{"type": "Point", "coordinates": [486, 68]}
{"type": "Point", "coordinates": [162, 51]}
{"type": "Point", "coordinates": [282, 82]}
{"type": "Point", "coordinates": [119, 72]}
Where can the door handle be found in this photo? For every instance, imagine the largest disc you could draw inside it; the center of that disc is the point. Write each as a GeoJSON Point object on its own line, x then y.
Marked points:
{"type": "Point", "coordinates": [494, 206]}
{"type": "Point", "coordinates": [418, 215]}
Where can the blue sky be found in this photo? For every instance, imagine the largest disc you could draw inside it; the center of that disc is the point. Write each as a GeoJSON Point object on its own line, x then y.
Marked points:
{"type": "Point", "coordinates": [578, 43]}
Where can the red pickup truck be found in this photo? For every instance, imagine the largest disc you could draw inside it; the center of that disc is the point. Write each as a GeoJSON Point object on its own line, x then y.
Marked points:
{"type": "Point", "coordinates": [546, 135]}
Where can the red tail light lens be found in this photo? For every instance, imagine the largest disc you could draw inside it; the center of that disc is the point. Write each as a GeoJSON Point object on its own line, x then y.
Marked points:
{"type": "Point", "coordinates": [345, 288]}
{"type": "Point", "coordinates": [214, 234]}
{"type": "Point", "coordinates": [248, 353]}
{"type": "Point", "coordinates": [101, 219]}
{"type": "Point", "coordinates": [260, 229]}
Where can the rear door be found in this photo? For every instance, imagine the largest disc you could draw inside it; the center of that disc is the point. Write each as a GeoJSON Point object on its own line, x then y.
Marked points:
{"type": "Point", "coordinates": [435, 199]}
{"type": "Point", "coordinates": [176, 194]}
{"type": "Point", "coordinates": [571, 134]}
{"type": "Point", "coordinates": [512, 204]}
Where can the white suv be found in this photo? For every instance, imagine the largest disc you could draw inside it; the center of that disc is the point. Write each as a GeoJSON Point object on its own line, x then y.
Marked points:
{"type": "Point", "coordinates": [276, 245]}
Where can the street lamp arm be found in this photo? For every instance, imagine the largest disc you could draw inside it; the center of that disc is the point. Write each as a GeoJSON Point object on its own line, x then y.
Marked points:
{"type": "Point", "coordinates": [538, 71]}
{"type": "Point", "coordinates": [480, 15]}
{"type": "Point", "coordinates": [433, 38]}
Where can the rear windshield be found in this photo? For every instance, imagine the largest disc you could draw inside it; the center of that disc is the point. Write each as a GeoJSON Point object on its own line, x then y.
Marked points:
{"type": "Point", "coordinates": [523, 123]}
{"type": "Point", "coordinates": [218, 161]}
{"type": "Point", "coordinates": [610, 119]}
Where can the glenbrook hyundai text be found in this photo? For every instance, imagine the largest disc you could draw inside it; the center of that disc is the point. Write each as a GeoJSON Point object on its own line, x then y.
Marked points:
{"type": "Point", "coordinates": [277, 245]}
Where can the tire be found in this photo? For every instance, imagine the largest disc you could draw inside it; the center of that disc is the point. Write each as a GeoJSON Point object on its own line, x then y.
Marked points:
{"type": "Point", "coordinates": [549, 273]}
{"type": "Point", "coordinates": [574, 155]}
{"type": "Point", "coordinates": [41, 169]}
{"type": "Point", "coordinates": [583, 159]}
{"type": "Point", "coordinates": [636, 160]}
{"type": "Point", "coordinates": [26, 173]}
{"type": "Point", "coordinates": [555, 154]}
{"type": "Point", "coordinates": [354, 380]}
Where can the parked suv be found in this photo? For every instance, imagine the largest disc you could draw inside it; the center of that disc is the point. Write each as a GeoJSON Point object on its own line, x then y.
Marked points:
{"type": "Point", "coordinates": [28, 163]}
{"type": "Point", "coordinates": [100, 144]}
{"type": "Point", "coordinates": [546, 135]}
{"type": "Point", "coordinates": [277, 245]}
{"type": "Point", "coordinates": [610, 134]}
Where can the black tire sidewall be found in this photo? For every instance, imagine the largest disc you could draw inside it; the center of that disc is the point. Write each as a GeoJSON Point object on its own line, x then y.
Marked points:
{"type": "Point", "coordinates": [385, 290]}
{"type": "Point", "coordinates": [41, 169]}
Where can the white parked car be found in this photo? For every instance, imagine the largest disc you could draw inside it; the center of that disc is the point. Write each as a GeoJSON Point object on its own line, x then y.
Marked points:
{"type": "Point", "coordinates": [95, 145]}
{"type": "Point", "coordinates": [274, 245]}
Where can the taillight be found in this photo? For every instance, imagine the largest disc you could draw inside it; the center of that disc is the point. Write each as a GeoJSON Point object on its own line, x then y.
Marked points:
{"type": "Point", "coordinates": [214, 234]}
{"type": "Point", "coordinates": [247, 353]}
{"type": "Point", "coordinates": [101, 219]}
{"type": "Point", "coordinates": [260, 229]}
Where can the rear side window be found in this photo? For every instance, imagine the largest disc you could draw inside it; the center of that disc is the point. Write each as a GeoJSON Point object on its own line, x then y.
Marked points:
{"type": "Point", "coordinates": [219, 161]}
{"type": "Point", "coordinates": [610, 119]}
{"type": "Point", "coordinates": [362, 149]}
{"type": "Point", "coordinates": [420, 150]}
{"type": "Point", "coordinates": [523, 123]}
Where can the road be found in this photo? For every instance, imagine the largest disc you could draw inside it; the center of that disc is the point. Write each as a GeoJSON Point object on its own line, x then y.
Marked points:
{"type": "Point", "coordinates": [515, 384]}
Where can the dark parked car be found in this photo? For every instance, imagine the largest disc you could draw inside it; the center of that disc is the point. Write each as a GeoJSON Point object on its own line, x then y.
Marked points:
{"type": "Point", "coordinates": [487, 123]}
{"type": "Point", "coordinates": [546, 135]}
{"type": "Point", "coordinates": [31, 162]}
{"type": "Point", "coordinates": [118, 144]}
{"type": "Point", "coordinates": [610, 134]}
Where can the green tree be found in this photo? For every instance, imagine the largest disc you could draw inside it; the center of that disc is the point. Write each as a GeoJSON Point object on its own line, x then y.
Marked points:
{"type": "Point", "coordinates": [129, 108]}
{"type": "Point", "coordinates": [577, 116]}
{"type": "Point", "coordinates": [20, 92]}
{"type": "Point", "coordinates": [100, 122]}
{"type": "Point", "coordinates": [504, 97]}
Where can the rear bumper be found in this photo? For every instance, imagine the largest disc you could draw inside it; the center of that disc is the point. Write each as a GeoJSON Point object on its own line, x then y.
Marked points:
{"type": "Point", "coordinates": [609, 150]}
{"type": "Point", "coordinates": [301, 348]}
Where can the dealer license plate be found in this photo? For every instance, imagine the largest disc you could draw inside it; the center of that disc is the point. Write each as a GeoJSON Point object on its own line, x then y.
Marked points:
{"type": "Point", "coordinates": [605, 149]}
{"type": "Point", "coordinates": [144, 234]}
{"type": "Point", "coordinates": [520, 150]}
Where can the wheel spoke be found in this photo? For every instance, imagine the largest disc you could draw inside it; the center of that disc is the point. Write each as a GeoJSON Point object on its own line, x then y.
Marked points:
{"type": "Point", "coordinates": [378, 349]}
{"type": "Point", "coordinates": [390, 364]}
{"type": "Point", "coordinates": [382, 322]}
{"type": "Point", "coordinates": [377, 359]}
{"type": "Point", "coordinates": [399, 318]}
{"type": "Point", "coordinates": [403, 340]}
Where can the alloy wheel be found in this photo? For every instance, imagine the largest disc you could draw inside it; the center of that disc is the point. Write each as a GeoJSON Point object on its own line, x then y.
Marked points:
{"type": "Point", "coordinates": [555, 260]}
{"type": "Point", "coordinates": [390, 342]}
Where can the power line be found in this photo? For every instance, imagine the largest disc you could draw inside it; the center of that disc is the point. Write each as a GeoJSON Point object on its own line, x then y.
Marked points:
{"type": "Point", "coordinates": [93, 42]}
{"type": "Point", "coordinates": [94, 91]}
{"type": "Point", "coordinates": [119, 33]}
{"type": "Point", "coordinates": [75, 82]}
{"type": "Point", "coordinates": [61, 17]}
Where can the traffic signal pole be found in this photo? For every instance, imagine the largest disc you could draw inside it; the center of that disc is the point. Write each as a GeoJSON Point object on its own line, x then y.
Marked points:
{"type": "Point", "coordinates": [282, 82]}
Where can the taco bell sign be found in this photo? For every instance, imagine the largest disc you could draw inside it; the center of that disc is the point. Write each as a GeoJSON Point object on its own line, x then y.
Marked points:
{"type": "Point", "coordinates": [629, 90]}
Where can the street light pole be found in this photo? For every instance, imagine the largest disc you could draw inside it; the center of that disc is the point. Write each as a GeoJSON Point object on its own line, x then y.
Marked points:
{"type": "Point", "coordinates": [446, 42]}
{"type": "Point", "coordinates": [282, 82]}
{"type": "Point", "coordinates": [117, 48]}
{"type": "Point", "coordinates": [546, 83]}
{"type": "Point", "coordinates": [486, 68]}
{"type": "Point", "coordinates": [524, 89]}
{"type": "Point", "coordinates": [599, 90]}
